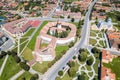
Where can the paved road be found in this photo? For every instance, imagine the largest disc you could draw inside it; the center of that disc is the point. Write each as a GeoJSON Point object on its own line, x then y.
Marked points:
{"type": "Point", "coordinates": [112, 51]}
{"type": "Point", "coordinates": [51, 19]}
{"type": "Point", "coordinates": [53, 71]}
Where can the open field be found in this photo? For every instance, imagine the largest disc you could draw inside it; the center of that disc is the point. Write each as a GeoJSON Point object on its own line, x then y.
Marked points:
{"type": "Point", "coordinates": [11, 68]}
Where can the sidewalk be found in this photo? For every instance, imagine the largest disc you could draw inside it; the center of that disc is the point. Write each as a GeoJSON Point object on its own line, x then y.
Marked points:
{"type": "Point", "coordinates": [17, 75]}
{"type": "Point", "coordinates": [3, 65]}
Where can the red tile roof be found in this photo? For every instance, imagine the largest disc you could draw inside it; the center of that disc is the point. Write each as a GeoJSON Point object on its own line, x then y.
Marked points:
{"type": "Point", "coordinates": [106, 73]}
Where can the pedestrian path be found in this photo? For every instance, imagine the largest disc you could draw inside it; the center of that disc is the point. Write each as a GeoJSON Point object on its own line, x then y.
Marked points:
{"type": "Point", "coordinates": [83, 68]}
{"type": "Point", "coordinates": [3, 65]}
{"type": "Point", "coordinates": [17, 75]}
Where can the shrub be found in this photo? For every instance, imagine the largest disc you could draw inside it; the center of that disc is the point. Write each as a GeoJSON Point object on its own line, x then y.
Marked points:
{"type": "Point", "coordinates": [14, 53]}
{"type": "Point", "coordinates": [81, 77]}
{"type": "Point", "coordinates": [17, 59]}
{"type": "Point", "coordinates": [71, 63]}
{"type": "Point", "coordinates": [24, 66]}
{"type": "Point", "coordinates": [72, 72]}
{"type": "Point", "coordinates": [90, 61]}
{"type": "Point", "coordinates": [9, 52]}
{"type": "Point", "coordinates": [82, 57]}
{"type": "Point", "coordinates": [34, 77]}
{"type": "Point", "coordinates": [60, 73]}
{"type": "Point", "coordinates": [72, 20]}
{"type": "Point", "coordinates": [95, 50]}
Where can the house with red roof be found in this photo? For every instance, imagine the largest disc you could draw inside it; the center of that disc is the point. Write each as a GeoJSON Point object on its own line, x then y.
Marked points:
{"type": "Point", "coordinates": [106, 56]}
{"type": "Point", "coordinates": [107, 74]}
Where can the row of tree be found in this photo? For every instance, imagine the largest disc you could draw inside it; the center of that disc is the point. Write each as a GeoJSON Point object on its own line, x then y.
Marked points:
{"type": "Point", "coordinates": [16, 58]}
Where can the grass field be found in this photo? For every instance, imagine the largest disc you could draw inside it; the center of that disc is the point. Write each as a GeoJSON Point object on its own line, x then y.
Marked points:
{"type": "Point", "coordinates": [1, 61]}
{"type": "Point", "coordinates": [41, 68]}
{"type": "Point", "coordinates": [100, 35]}
{"type": "Point", "coordinates": [59, 49]}
{"type": "Point", "coordinates": [67, 77]}
{"type": "Point", "coordinates": [27, 54]}
{"type": "Point", "coordinates": [43, 45]}
{"type": "Point", "coordinates": [28, 33]}
{"type": "Point", "coordinates": [44, 66]}
{"type": "Point", "coordinates": [21, 46]}
{"type": "Point", "coordinates": [92, 34]}
{"type": "Point", "coordinates": [93, 42]}
{"type": "Point", "coordinates": [31, 44]}
{"type": "Point", "coordinates": [32, 41]}
{"type": "Point", "coordinates": [96, 65]}
{"type": "Point", "coordinates": [101, 42]}
{"type": "Point", "coordinates": [25, 76]}
{"type": "Point", "coordinates": [11, 68]}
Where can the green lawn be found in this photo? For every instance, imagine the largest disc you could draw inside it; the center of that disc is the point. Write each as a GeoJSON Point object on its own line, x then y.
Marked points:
{"type": "Point", "coordinates": [23, 39]}
{"type": "Point", "coordinates": [21, 46]}
{"type": "Point", "coordinates": [115, 67]}
{"type": "Point", "coordinates": [96, 65]}
{"type": "Point", "coordinates": [41, 68]}
{"type": "Point", "coordinates": [31, 44]}
{"type": "Point", "coordinates": [67, 77]}
{"type": "Point", "coordinates": [44, 66]}
{"type": "Point", "coordinates": [43, 45]}
{"type": "Point", "coordinates": [88, 67]}
{"type": "Point", "coordinates": [27, 54]}
{"type": "Point", "coordinates": [92, 34]}
{"type": "Point", "coordinates": [59, 49]}
{"type": "Point", "coordinates": [93, 42]}
{"type": "Point", "coordinates": [33, 40]}
{"type": "Point", "coordinates": [25, 76]}
{"type": "Point", "coordinates": [11, 68]}
{"type": "Point", "coordinates": [75, 23]}
{"type": "Point", "coordinates": [102, 42]}
{"type": "Point", "coordinates": [28, 33]}
{"type": "Point", "coordinates": [100, 35]}
{"type": "Point", "coordinates": [90, 73]}
{"type": "Point", "coordinates": [1, 61]}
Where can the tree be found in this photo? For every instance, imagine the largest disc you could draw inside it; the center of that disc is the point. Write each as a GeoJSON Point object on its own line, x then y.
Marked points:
{"type": "Point", "coordinates": [74, 57]}
{"type": "Point", "coordinates": [34, 77]}
{"type": "Point", "coordinates": [82, 57]}
{"type": "Point", "coordinates": [78, 33]}
{"type": "Point", "coordinates": [48, 32]}
{"type": "Point", "coordinates": [60, 73]}
{"type": "Point", "coordinates": [17, 59]}
{"type": "Point", "coordinates": [72, 72]}
{"type": "Point", "coordinates": [71, 44]}
{"type": "Point", "coordinates": [9, 52]}
{"type": "Point", "coordinates": [24, 66]}
{"type": "Point", "coordinates": [63, 34]}
{"type": "Point", "coordinates": [72, 20]}
{"type": "Point", "coordinates": [95, 50]}
{"type": "Point", "coordinates": [68, 16]}
{"type": "Point", "coordinates": [96, 21]}
{"type": "Point", "coordinates": [14, 53]}
{"type": "Point", "coordinates": [71, 63]}
{"type": "Point", "coordinates": [90, 61]}
{"type": "Point", "coordinates": [81, 77]}
{"type": "Point", "coordinates": [56, 33]}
